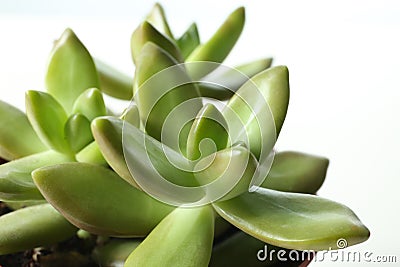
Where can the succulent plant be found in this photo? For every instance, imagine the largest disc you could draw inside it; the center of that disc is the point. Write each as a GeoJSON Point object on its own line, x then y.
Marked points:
{"type": "Point", "coordinates": [187, 175]}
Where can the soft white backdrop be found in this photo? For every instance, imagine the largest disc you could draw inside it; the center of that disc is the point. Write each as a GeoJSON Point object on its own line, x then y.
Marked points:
{"type": "Point", "coordinates": [344, 64]}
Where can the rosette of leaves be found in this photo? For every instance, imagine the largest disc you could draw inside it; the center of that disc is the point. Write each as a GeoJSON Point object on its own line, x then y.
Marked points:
{"type": "Point", "coordinates": [66, 154]}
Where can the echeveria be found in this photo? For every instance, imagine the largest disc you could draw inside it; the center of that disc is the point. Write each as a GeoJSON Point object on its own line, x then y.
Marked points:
{"type": "Point", "coordinates": [181, 177]}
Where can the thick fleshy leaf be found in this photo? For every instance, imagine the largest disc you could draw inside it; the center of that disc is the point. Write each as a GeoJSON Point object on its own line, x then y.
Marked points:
{"type": "Point", "coordinates": [107, 132]}
{"type": "Point", "coordinates": [158, 19]}
{"type": "Point", "coordinates": [77, 132]}
{"type": "Point", "coordinates": [131, 115]}
{"type": "Point", "coordinates": [256, 112]}
{"type": "Point", "coordinates": [17, 137]}
{"type": "Point", "coordinates": [166, 101]}
{"type": "Point", "coordinates": [292, 220]}
{"type": "Point", "coordinates": [296, 172]}
{"type": "Point", "coordinates": [183, 239]}
{"type": "Point", "coordinates": [70, 71]}
{"type": "Point", "coordinates": [231, 170]}
{"type": "Point", "coordinates": [113, 82]}
{"type": "Point", "coordinates": [31, 227]}
{"type": "Point", "coordinates": [16, 182]}
{"type": "Point", "coordinates": [115, 252]}
{"type": "Point", "coordinates": [208, 134]}
{"type": "Point", "coordinates": [223, 82]}
{"type": "Point", "coordinates": [189, 40]}
{"type": "Point", "coordinates": [97, 200]}
{"type": "Point", "coordinates": [217, 48]}
{"type": "Point", "coordinates": [148, 158]}
{"type": "Point", "coordinates": [90, 104]}
{"type": "Point", "coordinates": [146, 33]}
{"type": "Point", "coordinates": [91, 154]}
{"type": "Point", "coordinates": [48, 118]}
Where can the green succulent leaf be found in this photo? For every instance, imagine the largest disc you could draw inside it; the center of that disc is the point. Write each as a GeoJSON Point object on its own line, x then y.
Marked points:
{"type": "Point", "coordinates": [17, 137]}
{"type": "Point", "coordinates": [296, 172]}
{"type": "Point", "coordinates": [97, 200]}
{"type": "Point", "coordinates": [16, 182]}
{"type": "Point", "coordinates": [254, 67]}
{"type": "Point", "coordinates": [91, 154]}
{"type": "Point", "coordinates": [71, 70]}
{"type": "Point", "coordinates": [113, 82]}
{"type": "Point", "coordinates": [32, 227]}
{"type": "Point", "coordinates": [158, 19]}
{"type": "Point", "coordinates": [208, 133]}
{"type": "Point", "coordinates": [223, 83]}
{"type": "Point", "coordinates": [146, 33]}
{"type": "Point", "coordinates": [107, 132]}
{"type": "Point", "coordinates": [232, 169]}
{"type": "Point", "coordinates": [264, 95]}
{"type": "Point", "coordinates": [48, 118]}
{"type": "Point", "coordinates": [189, 40]}
{"type": "Point", "coordinates": [292, 220]}
{"type": "Point", "coordinates": [217, 48]}
{"type": "Point", "coordinates": [77, 132]}
{"type": "Point", "coordinates": [131, 115]}
{"type": "Point", "coordinates": [90, 104]}
{"type": "Point", "coordinates": [183, 238]}
{"type": "Point", "coordinates": [149, 157]}
{"type": "Point", "coordinates": [168, 95]}
{"type": "Point", "coordinates": [115, 252]}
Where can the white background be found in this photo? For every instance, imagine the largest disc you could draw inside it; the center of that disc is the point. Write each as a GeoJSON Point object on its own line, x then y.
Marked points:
{"type": "Point", "coordinates": [344, 64]}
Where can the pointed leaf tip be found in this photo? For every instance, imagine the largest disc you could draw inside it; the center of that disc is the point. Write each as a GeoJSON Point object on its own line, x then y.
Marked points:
{"type": "Point", "coordinates": [70, 70]}
{"type": "Point", "coordinates": [292, 220]}
{"type": "Point", "coordinates": [48, 118]}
